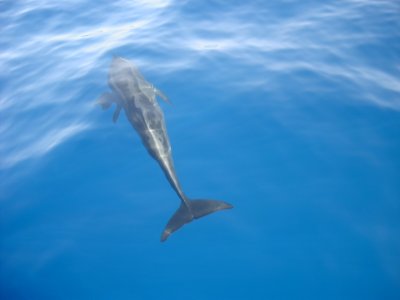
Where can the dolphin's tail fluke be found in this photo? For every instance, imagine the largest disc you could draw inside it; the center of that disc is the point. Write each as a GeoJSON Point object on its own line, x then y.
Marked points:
{"type": "Point", "coordinates": [186, 213]}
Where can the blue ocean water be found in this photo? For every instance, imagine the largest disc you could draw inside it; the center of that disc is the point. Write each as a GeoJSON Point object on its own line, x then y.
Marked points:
{"type": "Point", "coordinates": [289, 110]}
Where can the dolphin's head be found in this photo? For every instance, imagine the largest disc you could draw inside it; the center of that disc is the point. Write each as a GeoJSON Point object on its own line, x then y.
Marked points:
{"type": "Point", "coordinates": [119, 64]}
{"type": "Point", "coordinates": [123, 71]}
{"type": "Point", "coordinates": [119, 72]}
{"type": "Point", "coordinates": [118, 60]}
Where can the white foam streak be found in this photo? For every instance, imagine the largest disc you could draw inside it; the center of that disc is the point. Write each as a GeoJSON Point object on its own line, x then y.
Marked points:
{"type": "Point", "coordinates": [35, 147]}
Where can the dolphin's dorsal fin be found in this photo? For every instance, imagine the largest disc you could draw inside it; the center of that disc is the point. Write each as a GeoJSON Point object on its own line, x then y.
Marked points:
{"type": "Point", "coordinates": [116, 113]}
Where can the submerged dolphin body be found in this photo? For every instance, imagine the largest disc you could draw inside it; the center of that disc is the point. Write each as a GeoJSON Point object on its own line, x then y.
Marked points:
{"type": "Point", "coordinates": [137, 97]}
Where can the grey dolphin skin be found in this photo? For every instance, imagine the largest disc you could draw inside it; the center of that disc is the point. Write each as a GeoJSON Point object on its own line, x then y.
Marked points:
{"type": "Point", "coordinates": [131, 92]}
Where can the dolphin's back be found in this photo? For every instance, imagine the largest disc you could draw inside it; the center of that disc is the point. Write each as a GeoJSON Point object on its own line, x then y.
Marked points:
{"type": "Point", "coordinates": [148, 120]}
{"type": "Point", "coordinates": [141, 108]}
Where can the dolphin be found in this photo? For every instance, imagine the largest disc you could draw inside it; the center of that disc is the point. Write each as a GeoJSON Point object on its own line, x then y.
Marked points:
{"type": "Point", "coordinates": [137, 97]}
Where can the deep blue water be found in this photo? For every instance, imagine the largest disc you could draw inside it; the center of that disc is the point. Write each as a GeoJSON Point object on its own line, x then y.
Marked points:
{"type": "Point", "coordinates": [289, 110]}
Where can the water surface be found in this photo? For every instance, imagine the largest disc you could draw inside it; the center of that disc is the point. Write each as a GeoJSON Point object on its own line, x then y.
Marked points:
{"type": "Point", "coordinates": [289, 110]}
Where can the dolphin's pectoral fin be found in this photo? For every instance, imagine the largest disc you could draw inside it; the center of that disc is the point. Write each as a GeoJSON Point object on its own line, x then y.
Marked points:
{"type": "Point", "coordinates": [116, 113]}
{"type": "Point", "coordinates": [162, 95]}
{"type": "Point", "coordinates": [106, 99]}
{"type": "Point", "coordinates": [198, 209]}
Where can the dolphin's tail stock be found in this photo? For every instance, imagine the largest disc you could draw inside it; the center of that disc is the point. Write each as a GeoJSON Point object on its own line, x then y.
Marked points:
{"type": "Point", "coordinates": [193, 210]}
